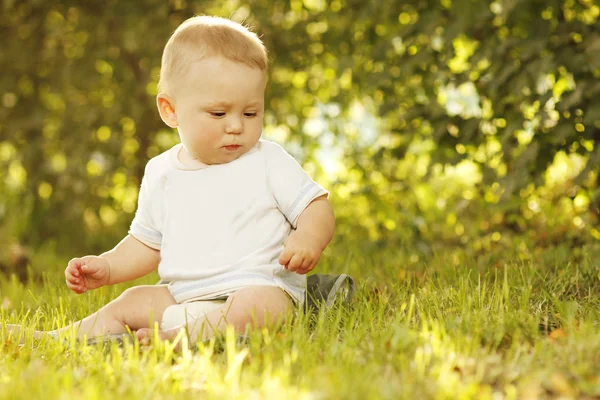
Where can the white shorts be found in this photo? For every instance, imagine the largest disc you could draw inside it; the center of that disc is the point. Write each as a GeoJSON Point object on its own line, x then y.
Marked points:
{"type": "Point", "coordinates": [181, 314]}
{"type": "Point", "coordinates": [195, 305]}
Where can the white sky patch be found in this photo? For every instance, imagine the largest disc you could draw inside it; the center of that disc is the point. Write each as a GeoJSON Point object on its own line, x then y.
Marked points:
{"type": "Point", "coordinates": [329, 155]}
{"type": "Point", "coordinates": [364, 133]}
{"type": "Point", "coordinates": [331, 148]}
{"type": "Point", "coordinates": [462, 100]}
{"type": "Point", "coordinates": [365, 122]}
{"type": "Point", "coordinates": [315, 127]}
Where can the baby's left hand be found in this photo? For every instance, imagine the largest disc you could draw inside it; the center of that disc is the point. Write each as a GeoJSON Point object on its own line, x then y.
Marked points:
{"type": "Point", "coordinates": [301, 253]}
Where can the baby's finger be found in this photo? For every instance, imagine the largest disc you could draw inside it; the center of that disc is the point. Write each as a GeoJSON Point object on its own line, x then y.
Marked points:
{"type": "Point", "coordinates": [285, 256]}
{"type": "Point", "coordinates": [73, 280]}
{"type": "Point", "coordinates": [89, 268]}
{"type": "Point", "coordinates": [70, 277]}
{"type": "Point", "coordinates": [76, 288]}
{"type": "Point", "coordinates": [73, 267]}
{"type": "Point", "coordinates": [304, 270]}
{"type": "Point", "coordinates": [295, 263]}
{"type": "Point", "coordinates": [307, 264]}
{"type": "Point", "coordinates": [72, 271]}
{"type": "Point", "coordinates": [74, 263]}
{"type": "Point", "coordinates": [306, 267]}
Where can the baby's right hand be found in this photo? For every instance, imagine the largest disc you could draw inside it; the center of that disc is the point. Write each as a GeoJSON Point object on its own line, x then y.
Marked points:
{"type": "Point", "coordinates": [86, 273]}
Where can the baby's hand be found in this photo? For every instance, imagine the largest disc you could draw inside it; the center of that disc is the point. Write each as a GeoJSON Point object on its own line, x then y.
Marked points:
{"type": "Point", "coordinates": [301, 253]}
{"type": "Point", "coordinates": [86, 273]}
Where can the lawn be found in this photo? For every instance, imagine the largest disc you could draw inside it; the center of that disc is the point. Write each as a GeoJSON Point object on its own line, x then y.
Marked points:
{"type": "Point", "coordinates": [458, 325]}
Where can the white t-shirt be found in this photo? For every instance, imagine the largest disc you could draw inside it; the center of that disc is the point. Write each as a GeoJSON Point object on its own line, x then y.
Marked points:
{"type": "Point", "coordinates": [222, 228]}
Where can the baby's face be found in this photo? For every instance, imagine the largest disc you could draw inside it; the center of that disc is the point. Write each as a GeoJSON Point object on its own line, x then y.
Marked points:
{"type": "Point", "coordinates": [219, 106]}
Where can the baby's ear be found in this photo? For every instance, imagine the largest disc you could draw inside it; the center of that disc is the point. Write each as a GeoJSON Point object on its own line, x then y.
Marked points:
{"type": "Point", "coordinates": [166, 110]}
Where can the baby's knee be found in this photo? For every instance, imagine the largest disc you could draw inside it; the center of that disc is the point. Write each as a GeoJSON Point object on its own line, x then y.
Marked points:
{"type": "Point", "coordinates": [138, 305]}
{"type": "Point", "coordinates": [131, 293]}
{"type": "Point", "coordinates": [136, 295]}
{"type": "Point", "coordinates": [258, 306]}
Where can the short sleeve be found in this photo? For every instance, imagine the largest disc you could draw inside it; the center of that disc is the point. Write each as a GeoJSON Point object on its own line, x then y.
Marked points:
{"type": "Point", "coordinates": [144, 226]}
{"type": "Point", "coordinates": [292, 188]}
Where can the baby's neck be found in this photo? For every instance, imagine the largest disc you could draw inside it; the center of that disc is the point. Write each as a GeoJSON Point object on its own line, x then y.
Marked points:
{"type": "Point", "coordinates": [187, 160]}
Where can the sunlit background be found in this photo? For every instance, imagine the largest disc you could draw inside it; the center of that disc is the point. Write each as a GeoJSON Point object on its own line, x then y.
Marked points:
{"type": "Point", "coordinates": [434, 124]}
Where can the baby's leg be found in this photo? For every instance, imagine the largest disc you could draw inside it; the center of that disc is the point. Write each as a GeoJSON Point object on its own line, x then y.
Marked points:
{"type": "Point", "coordinates": [257, 306]}
{"type": "Point", "coordinates": [137, 307]}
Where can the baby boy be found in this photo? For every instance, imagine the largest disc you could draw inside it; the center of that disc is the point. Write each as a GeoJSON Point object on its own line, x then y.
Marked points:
{"type": "Point", "coordinates": [222, 215]}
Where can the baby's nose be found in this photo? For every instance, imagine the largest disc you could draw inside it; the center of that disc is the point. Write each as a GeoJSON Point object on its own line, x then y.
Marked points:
{"type": "Point", "coordinates": [234, 126]}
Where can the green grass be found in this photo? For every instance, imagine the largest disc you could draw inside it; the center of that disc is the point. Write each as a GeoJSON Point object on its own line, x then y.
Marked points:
{"type": "Point", "coordinates": [459, 325]}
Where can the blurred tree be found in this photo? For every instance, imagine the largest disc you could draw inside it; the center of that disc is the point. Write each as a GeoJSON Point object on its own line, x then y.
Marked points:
{"type": "Point", "coordinates": [506, 85]}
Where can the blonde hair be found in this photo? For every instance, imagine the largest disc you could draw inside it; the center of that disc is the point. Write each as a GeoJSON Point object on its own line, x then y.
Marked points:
{"type": "Point", "coordinates": [201, 37]}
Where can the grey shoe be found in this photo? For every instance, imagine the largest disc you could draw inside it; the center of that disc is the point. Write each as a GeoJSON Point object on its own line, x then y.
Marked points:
{"type": "Point", "coordinates": [325, 290]}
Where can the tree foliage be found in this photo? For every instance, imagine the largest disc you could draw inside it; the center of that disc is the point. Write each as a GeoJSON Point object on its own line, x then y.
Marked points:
{"type": "Point", "coordinates": [403, 92]}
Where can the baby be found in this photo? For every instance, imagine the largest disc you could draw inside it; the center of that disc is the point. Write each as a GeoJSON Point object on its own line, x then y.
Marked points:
{"type": "Point", "coordinates": [222, 215]}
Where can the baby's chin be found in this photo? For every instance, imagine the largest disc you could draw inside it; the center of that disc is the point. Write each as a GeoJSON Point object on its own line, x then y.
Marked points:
{"type": "Point", "coordinates": [227, 158]}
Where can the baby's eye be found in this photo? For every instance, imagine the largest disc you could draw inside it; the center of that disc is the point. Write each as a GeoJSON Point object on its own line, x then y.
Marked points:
{"type": "Point", "coordinates": [217, 114]}
{"type": "Point", "coordinates": [250, 114]}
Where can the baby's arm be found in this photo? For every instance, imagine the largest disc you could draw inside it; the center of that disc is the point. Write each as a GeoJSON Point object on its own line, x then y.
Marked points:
{"type": "Point", "coordinates": [130, 259]}
{"type": "Point", "coordinates": [314, 230]}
